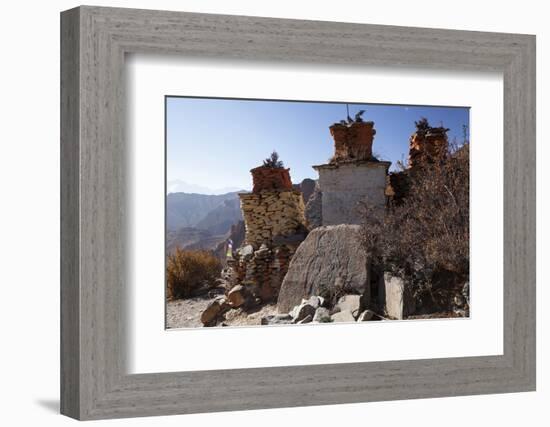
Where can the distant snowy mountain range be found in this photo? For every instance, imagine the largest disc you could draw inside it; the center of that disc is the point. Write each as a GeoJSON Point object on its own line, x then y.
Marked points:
{"type": "Point", "coordinates": [179, 186]}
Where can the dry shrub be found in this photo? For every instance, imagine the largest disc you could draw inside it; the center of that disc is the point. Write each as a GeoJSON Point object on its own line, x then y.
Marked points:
{"type": "Point", "coordinates": [188, 271]}
{"type": "Point", "coordinates": [424, 237]}
{"type": "Point", "coordinates": [333, 292]}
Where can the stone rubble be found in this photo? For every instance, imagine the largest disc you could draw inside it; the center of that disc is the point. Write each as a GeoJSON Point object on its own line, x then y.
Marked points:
{"type": "Point", "coordinates": [313, 310]}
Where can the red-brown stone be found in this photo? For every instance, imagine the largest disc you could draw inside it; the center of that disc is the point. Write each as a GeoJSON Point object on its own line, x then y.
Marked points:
{"type": "Point", "coordinates": [353, 142]}
{"type": "Point", "coordinates": [427, 146]}
{"type": "Point", "coordinates": [266, 178]}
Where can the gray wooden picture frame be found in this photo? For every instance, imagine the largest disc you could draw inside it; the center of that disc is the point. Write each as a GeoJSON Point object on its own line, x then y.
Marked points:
{"type": "Point", "coordinates": [94, 381]}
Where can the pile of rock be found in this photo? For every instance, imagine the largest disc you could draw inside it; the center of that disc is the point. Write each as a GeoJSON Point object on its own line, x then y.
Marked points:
{"type": "Point", "coordinates": [237, 297]}
{"type": "Point", "coordinates": [262, 271]}
{"type": "Point", "coordinates": [272, 213]}
{"type": "Point", "coordinates": [316, 309]}
{"type": "Point", "coordinates": [214, 311]}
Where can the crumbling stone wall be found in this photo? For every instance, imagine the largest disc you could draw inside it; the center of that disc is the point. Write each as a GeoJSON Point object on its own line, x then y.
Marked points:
{"type": "Point", "coordinates": [274, 227]}
{"type": "Point", "coordinates": [426, 145]}
{"type": "Point", "coordinates": [352, 141]}
{"type": "Point", "coordinates": [262, 271]}
{"type": "Point", "coordinates": [268, 214]}
{"type": "Point", "coordinates": [264, 178]}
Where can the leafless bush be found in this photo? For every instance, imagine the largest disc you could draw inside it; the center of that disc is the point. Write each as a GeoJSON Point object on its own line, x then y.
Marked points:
{"type": "Point", "coordinates": [424, 237]}
{"type": "Point", "coordinates": [332, 293]}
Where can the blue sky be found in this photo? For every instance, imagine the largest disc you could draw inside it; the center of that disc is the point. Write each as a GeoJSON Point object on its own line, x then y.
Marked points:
{"type": "Point", "coordinates": [215, 142]}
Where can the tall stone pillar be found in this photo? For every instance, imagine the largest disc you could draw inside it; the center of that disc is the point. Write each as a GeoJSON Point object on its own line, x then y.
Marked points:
{"type": "Point", "coordinates": [274, 227]}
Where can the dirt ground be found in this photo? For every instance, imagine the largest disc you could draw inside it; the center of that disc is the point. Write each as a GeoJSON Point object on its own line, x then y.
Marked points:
{"type": "Point", "coordinates": [187, 313]}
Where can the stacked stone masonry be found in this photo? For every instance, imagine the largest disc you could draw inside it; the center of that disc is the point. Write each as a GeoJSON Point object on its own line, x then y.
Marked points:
{"type": "Point", "coordinates": [274, 227]}
{"type": "Point", "coordinates": [262, 271]}
{"type": "Point", "coordinates": [268, 214]}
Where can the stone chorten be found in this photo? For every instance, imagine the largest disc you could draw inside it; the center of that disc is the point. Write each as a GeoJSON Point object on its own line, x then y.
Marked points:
{"type": "Point", "coordinates": [427, 143]}
{"type": "Point", "coordinates": [274, 227]}
{"type": "Point", "coordinates": [273, 209]}
{"type": "Point", "coordinates": [352, 176]}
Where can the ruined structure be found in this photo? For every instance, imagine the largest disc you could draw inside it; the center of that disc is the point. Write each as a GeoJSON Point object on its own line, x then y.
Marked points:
{"type": "Point", "coordinates": [352, 176]}
{"type": "Point", "coordinates": [274, 227]}
{"type": "Point", "coordinates": [427, 143]}
{"type": "Point", "coordinates": [271, 213]}
{"type": "Point", "coordinates": [352, 141]}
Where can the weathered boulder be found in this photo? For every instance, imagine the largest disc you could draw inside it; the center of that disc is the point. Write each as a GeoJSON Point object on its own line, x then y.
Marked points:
{"type": "Point", "coordinates": [343, 316]}
{"type": "Point", "coordinates": [237, 296]}
{"type": "Point", "coordinates": [328, 254]}
{"type": "Point", "coordinates": [313, 208]}
{"type": "Point", "coordinates": [303, 310]}
{"type": "Point", "coordinates": [366, 316]}
{"type": "Point", "coordinates": [213, 311]}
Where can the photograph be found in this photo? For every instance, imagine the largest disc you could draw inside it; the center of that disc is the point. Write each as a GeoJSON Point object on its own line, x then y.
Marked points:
{"type": "Point", "coordinates": [277, 211]}
{"type": "Point", "coordinates": [298, 212]}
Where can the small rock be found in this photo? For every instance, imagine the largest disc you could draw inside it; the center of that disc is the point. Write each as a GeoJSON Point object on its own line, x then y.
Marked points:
{"type": "Point", "coordinates": [277, 319]}
{"type": "Point", "coordinates": [222, 302]}
{"type": "Point", "coordinates": [343, 316]}
{"type": "Point", "coordinates": [366, 315]}
{"type": "Point", "coordinates": [314, 301]}
{"type": "Point", "coordinates": [212, 311]}
{"type": "Point", "coordinates": [246, 251]}
{"type": "Point", "coordinates": [237, 296]}
{"type": "Point", "coordinates": [322, 315]}
{"type": "Point", "coordinates": [302, 311]}
{"type": "Point", "coordinates": [351, 303]}
{"type": "Point", "coordinates": [306, 319]}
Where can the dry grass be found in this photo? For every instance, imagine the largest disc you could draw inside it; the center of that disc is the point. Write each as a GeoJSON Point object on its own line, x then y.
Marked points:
{"type": "Point", "coordinates": [189, 270]}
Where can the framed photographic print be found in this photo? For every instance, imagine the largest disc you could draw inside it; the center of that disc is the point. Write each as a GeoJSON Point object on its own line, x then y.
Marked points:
{"type": "Point", "coordinates": [287, 213]}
